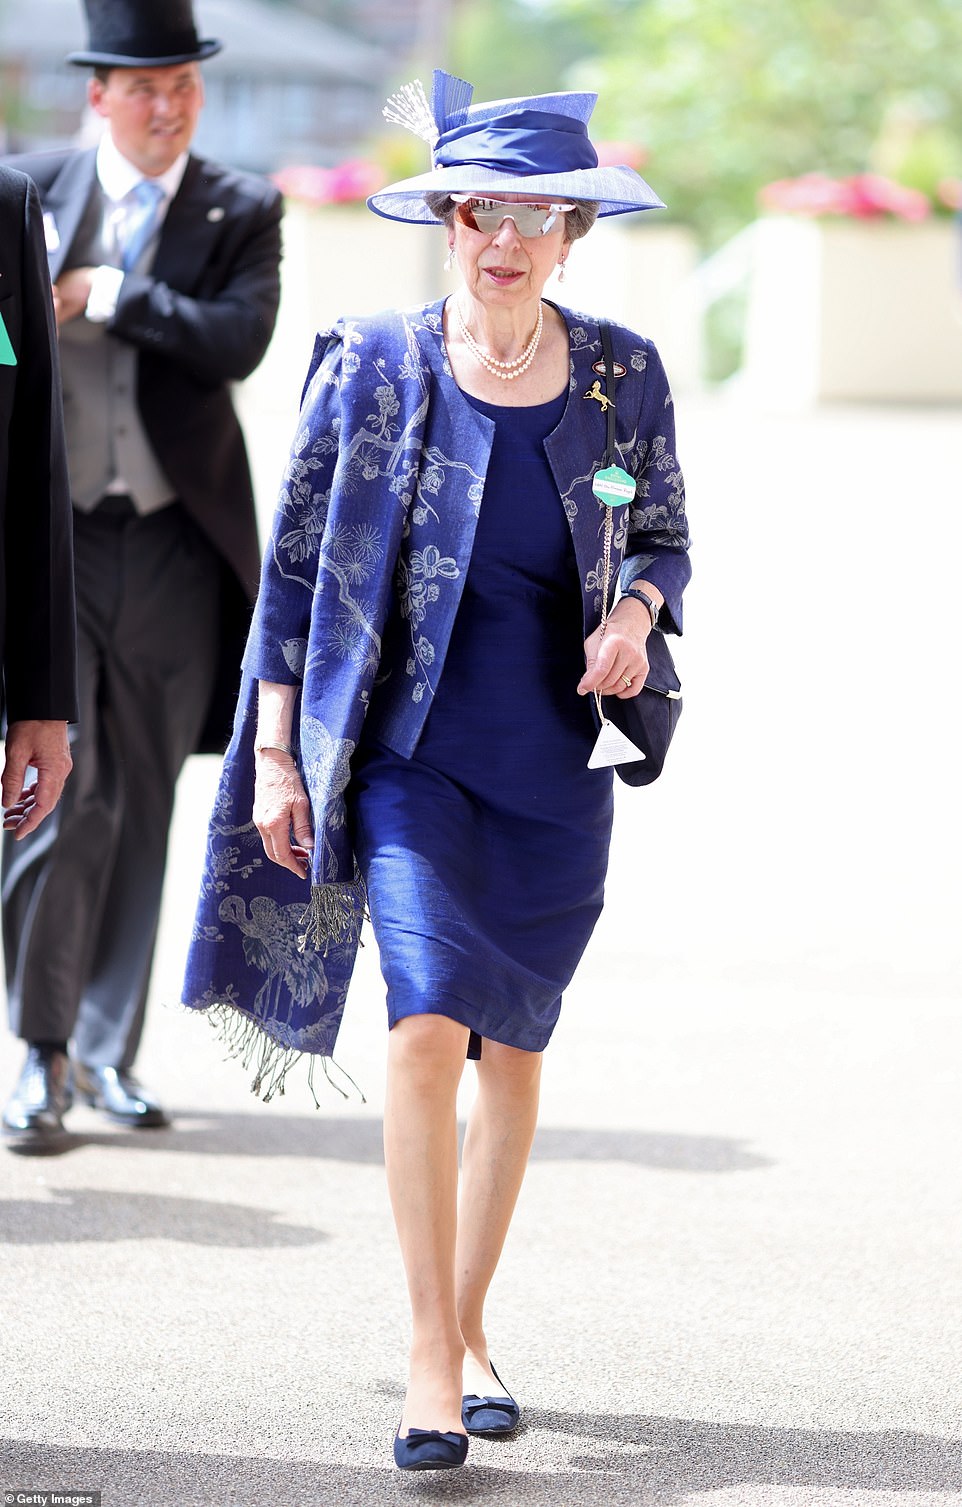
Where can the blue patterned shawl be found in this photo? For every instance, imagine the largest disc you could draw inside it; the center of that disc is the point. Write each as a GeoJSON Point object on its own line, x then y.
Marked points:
{"type": "Point", "coordinates": [360, 586]}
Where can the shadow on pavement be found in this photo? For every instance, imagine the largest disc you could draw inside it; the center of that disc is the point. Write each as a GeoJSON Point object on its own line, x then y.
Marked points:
{"type": "Point", "coordinates": [647, 1462]}
{"type": "Point", "coordinates": [681, 1456]}
{"type": "Point", "coordinates": [359, 1141]}
{"type": "Point", "coordinates": [91, 1214]}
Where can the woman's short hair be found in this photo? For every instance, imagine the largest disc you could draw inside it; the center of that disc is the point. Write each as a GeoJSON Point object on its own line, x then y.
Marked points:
{"type": "Point", "coordinates": [578, 221]}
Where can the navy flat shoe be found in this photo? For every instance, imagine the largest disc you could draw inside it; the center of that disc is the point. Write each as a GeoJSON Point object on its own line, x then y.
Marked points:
{"type": "Point", "coordinates": [491, 1417]}
{"type": "Point", "coordinates": [427, 1449]}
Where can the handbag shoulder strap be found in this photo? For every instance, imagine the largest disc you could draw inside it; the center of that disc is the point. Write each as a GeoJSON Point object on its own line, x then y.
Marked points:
{"type": "Point", "coordinates": [604, 330]}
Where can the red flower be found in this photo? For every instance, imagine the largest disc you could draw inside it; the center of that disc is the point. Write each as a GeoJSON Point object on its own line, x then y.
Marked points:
{"type": "Point", "coordinates": [621, 154]}
{"type": "Point", "coordinates": [346, 183]}
{"type": "Point", "coordinates": [870, 195]}
{"type": "Point", "coordinates": [864, 196]}
{"type": "Point", "coordinates": [811, 194]}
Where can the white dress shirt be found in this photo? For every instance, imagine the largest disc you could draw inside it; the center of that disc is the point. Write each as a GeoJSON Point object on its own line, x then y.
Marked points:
{"type": "Point", "coordinates": [117, 176]}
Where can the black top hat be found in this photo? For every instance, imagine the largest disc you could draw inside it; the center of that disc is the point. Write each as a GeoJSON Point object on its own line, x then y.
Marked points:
{"type": "Point", "coordinates": [142, 34]}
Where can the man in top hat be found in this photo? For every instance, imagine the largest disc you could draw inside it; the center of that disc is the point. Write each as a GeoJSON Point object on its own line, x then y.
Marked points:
{"type": "Point", "coordinates": [166, 282]}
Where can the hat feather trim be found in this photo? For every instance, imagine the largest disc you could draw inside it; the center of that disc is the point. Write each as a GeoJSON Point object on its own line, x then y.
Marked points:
{"type": "Point", "coordinates": [409, 108]}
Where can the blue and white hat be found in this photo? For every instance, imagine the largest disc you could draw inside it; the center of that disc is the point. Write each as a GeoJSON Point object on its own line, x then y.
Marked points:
{"type": "Point", "coordinates": [485, 149]}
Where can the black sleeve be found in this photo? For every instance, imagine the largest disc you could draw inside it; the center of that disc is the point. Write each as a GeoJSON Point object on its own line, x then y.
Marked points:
{"type": "Point", "coordinates": [40, 653]}
{"type": "Point", "coordinates": [221, 336]}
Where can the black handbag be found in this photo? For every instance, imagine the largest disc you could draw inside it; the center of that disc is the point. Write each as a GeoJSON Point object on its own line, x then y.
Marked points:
{"type": "Point", "coordinates": [650, 718]}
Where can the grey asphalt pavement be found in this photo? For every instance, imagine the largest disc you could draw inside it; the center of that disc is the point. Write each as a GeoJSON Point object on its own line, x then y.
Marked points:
{"type": "Point", "coordinates": [735, 1276]}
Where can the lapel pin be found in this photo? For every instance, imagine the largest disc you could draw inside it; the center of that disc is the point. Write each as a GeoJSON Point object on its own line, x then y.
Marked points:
{"type": "Point", "coordinates": [594, 391]}
{"type": "Point", "coordinates": [215, 214]}
{"type": "Point", "coordinates": [616, 367]}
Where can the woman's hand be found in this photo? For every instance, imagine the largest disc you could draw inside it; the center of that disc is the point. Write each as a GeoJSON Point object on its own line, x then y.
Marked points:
{"type": "Point", "coordinates": [618, 662]}
{"type": "Point", "coordinates": [281, 807]}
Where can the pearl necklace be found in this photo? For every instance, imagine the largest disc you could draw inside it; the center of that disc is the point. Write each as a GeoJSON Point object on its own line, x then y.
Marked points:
{"type": "Point", "coordinates": [506, 370]}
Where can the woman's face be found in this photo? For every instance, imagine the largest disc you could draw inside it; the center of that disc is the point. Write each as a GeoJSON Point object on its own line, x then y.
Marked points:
{"type": "Point", "coordinates": [506, 269]}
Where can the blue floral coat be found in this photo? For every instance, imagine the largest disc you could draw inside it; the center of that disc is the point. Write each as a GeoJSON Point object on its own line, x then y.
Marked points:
{"type": "Point", "coordinates": [360, 587]}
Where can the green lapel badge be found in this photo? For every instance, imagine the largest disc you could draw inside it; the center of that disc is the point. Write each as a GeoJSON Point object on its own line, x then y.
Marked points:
{"type": "Point", "coordinates": [8, 356]}
{"type": "Point", "coordinates": [613, 486]}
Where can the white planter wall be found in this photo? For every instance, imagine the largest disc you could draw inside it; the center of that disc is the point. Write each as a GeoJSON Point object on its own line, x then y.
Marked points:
{"type": "Point", "coordinates": [842, 310]}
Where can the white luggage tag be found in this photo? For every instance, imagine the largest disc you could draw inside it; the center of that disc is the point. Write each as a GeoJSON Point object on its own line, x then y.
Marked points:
{"type": "Point", "coordinates": [612, 747]}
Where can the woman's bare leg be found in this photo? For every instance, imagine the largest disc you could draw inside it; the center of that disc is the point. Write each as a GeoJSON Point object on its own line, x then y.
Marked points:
{"type": "Point", "coordinates": [426, 1055]}
{"type": "Point", "coordinates": [500, 1131]}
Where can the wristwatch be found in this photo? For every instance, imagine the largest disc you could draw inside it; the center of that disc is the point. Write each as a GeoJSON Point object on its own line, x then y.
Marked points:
{"type": "Point", "coordinates": [642, 596]}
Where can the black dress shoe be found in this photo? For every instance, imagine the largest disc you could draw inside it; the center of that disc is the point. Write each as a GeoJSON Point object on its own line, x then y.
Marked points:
{"type": "Point", "coordinates": [118, 1094]}
{"type": "Point", "coordinates": [33, 1119]}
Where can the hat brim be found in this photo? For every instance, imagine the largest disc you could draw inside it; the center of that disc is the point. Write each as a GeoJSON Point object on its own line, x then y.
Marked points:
{"type": "Point", "coordinates": [616, 190]}
{"type": "Point", "coordinates": [203, 50]}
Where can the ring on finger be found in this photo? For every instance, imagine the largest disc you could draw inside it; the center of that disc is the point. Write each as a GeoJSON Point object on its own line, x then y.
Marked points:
{"type": "Point", "coordinates": [627, 680]}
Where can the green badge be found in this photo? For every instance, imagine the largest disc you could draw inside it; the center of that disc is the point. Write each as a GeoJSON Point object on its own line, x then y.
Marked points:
{"type": "Point", "coordinates": [612, 486]}
{"type": "Point", "coordinates": [8, 356]}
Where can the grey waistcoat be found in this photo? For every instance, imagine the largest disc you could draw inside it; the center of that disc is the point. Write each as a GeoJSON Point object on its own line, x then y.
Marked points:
{"type": "Point", "coordinates": [107, 446]}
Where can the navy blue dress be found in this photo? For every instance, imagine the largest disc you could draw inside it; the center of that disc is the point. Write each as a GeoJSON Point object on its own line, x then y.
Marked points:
{"type": "Point", "coordinates": [485, 853]}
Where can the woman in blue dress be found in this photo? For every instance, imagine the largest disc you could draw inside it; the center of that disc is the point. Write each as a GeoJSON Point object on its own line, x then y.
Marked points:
{"type": "Point", "coordinates": [417, 717]}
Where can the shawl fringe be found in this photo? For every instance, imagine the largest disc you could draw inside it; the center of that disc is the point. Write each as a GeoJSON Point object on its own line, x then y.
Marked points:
{"type": "Point", "coordinates": [248, 1043]}
{"type": "Point", "coordinates": [334, 915]}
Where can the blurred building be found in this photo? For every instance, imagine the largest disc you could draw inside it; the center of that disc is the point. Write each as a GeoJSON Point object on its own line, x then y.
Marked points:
{"type": "Point", "coordinates": [398, 25]}
{"type": "Point", "coordinates": [287, 88]}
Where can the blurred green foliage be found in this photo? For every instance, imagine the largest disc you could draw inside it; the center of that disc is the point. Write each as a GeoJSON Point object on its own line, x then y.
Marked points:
{"type": "Point", "coordinates": [511, 47]}
{"type": "Point", "coordinates": [727, 95]}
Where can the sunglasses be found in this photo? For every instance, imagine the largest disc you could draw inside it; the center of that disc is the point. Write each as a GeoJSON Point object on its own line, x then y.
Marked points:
{"type": "Point", "coordinates": [488, 215]}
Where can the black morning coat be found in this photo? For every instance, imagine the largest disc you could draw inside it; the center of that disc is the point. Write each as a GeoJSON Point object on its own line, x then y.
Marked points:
{"type": "Point", "coordinates": [38, 651]}
{"type": "Point", "coordinates": [201, 319]}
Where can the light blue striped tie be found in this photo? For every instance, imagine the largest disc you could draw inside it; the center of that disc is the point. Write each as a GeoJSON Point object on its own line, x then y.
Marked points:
{"type": "Point", "coordinates": [141, 220]}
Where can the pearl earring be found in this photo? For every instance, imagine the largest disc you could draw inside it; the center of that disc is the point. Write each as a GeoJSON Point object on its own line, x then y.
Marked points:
{"type": "Point", "coordinates": [561, 271]}
{"type": "Point", "coordinates": [450, 261]}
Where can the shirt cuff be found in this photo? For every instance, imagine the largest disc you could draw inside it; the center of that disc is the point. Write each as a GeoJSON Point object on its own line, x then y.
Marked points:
{"type": "Point", "coordinates": [104, 293]}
